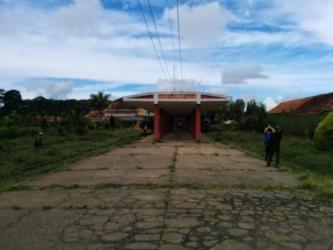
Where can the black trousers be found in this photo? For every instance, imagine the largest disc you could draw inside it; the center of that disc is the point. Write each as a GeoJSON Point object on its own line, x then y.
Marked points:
{"type": "Point", "coordinates": [274, 150]}
{"type": "Point", "coordinates": [267, 152]}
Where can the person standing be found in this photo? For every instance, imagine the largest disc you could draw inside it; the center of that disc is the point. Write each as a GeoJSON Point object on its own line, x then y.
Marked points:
{"type": "Point", "coordinates": [38, 141]}
{"type": "Point", "coordinates": [274, 143]}
{"type": "Point", "coordinates": [267, 137]}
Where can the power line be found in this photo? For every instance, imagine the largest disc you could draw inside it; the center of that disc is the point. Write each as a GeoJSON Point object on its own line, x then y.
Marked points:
{"type": "Point", "coordinates": [172, 43]}
{"type": "Point", "coordinates": [158, 38]}
{"type": "Point", "coordinates": [151, 38]}
{"type": "Point", "coordinates": [180, 48]}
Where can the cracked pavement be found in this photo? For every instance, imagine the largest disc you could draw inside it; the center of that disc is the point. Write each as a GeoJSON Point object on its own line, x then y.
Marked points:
{"type": "Point", "coordinates": [153, 205]}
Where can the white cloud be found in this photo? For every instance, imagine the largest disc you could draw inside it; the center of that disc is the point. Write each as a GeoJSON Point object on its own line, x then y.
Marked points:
{"type": "Point", "coordinates": [166, 85]}
{"type": "Point", "coordinates": [314, 17]}
{"type": "Point", "coordinates": [50, 88]}
{"type": "Point", "coordinates": [271, 102]}
{"type": "Point", "coordinates": [201, 23]}
{"type": "Point", "coordinates": [222, 90]}
{"type": "Point", "coordinates": [242, 74]}
{"type": "Point", "coordinates": [81, 18]}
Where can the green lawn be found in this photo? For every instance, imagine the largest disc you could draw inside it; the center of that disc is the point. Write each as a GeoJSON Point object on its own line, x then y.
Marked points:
{"type": "Point", "coordinates": [18, 159]}
{"type": "Point", "coordinates": [297, 154]}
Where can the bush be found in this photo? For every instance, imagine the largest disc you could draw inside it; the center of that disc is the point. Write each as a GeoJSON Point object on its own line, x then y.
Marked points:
{"type": "Point", "coordinates": [301, 125]}
{"type": "Point", "coordinates": [80, 130]}
{"type": "Point", "coordinates": [61, 131]}
{"type": "Point", "coordinates": [323, 137]}
{"type": "Point", "coordinates": [12, 120]}
{"type": "Point", "coordinates": [13, 132]}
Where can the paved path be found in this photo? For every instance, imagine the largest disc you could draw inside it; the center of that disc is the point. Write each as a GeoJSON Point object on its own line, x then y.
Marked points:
{"type": "Point", "coordinates": [165, 196]}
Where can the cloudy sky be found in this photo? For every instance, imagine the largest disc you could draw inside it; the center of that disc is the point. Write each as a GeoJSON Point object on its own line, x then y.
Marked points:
{"type": "Point", "coordinates": [271, 50]}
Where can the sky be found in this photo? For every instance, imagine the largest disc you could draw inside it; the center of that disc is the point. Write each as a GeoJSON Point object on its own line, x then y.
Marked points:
{"type": "Point", "coordinates": [268, 50]}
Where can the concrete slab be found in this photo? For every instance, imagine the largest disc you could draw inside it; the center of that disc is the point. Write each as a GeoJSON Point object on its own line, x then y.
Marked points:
{"type": "Point", "coordinates": [196, 163]}
{"type": "Point", "coordinates": [128, 162]}
{"type": "Point", "coordinates": [92, 177]}
{"type": "Point", "coordinates": [135, 218]}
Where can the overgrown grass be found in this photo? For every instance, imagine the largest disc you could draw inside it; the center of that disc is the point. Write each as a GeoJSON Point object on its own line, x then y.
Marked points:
{"type": "Point", "coordinates": [314, 167]}
{"type": "Point", "coordinates": [19, 160]}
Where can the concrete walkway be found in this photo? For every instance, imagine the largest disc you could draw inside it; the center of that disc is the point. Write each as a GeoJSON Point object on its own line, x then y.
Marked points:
{"type": "Point", "coordinates": [169, 195]}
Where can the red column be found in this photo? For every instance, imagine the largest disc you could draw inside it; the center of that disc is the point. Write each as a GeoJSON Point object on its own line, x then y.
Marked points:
{"type": "Point", "coordinates": [197, 133]}
{"type": "Point", "coordinates": [162, 123]}
{"type": "Point", "coordinates": [157, 132]}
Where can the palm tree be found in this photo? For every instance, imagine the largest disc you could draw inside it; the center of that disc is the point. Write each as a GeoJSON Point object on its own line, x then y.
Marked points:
{"type": "Point", "coordinates": [99, 101]}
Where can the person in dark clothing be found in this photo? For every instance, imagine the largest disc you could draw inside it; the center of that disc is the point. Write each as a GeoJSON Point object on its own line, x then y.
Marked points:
{"type": "Point", "coordinates": [274, 144]}
{"type": "Point", "coordinates": [267, 136]}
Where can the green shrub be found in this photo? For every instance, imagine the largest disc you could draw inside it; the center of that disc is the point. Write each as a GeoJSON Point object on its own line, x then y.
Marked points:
{"type": "Point", "coordinates": [61, 131]}
{"type": "Point", "coordinates": [14, 132]}
{"type": "Point", "coordinates": [323, 137]}
{"type": "Point", "coordinates": [301, 125]}
{"type": "Point", "coordinates": [80, 130]}
{"type": "Point", "coordinates": [12, 120]}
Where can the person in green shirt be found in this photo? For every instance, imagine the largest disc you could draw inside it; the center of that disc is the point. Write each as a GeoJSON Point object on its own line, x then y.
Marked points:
{"type": "Point", "coordinates": [38, 141]}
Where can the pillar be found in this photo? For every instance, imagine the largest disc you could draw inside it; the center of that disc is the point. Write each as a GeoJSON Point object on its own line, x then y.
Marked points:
{"type": "Point", "coordinates": [162, 123]}
{"type": "Point", "coordinates": [197, 120]}
{"type": "Point", "coordinates": [157, 126]}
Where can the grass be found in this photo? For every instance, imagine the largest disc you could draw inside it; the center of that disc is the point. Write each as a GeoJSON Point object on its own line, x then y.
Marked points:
{"type": "Point", "coordinates": [174, 160]}
{"type": "Point", "coordinates": [298, 154]}
{"type": "Point", "coordinates": [19, 161]}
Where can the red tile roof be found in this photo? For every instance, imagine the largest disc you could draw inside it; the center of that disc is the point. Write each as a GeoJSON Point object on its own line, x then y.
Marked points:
{"type": "Point", "coordinates": [95, 115]}
{"type": "Point", "coordinates": [313, 104]}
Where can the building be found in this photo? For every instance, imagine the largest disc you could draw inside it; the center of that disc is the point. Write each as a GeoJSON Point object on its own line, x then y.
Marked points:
{"type": "Point", "coordinates": [308, 105]}
{"type": "Point", "coordinates": [49, 118]}
{"type": "Point", "coordinates": [177, 111]}
{"type": "Point", "coordinates": [120, 111]}
{"type": "Point", "coordinates": [124, 111]}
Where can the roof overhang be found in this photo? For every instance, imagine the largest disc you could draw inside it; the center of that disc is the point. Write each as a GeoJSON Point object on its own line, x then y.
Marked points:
{"type": "Point", "coordinates": [178, 103]}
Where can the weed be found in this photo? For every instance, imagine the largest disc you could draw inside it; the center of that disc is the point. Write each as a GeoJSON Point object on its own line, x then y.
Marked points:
{"type": "Point", "coordinates": [46, 207]}
{"type": "Point", "coordinates": [106, 185]}
{"type": "Point", "coordinates": [102, 206]}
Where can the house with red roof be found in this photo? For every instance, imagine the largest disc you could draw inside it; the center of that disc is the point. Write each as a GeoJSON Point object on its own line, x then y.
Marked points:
{"type": "Point", "coordinates": [308, 105]}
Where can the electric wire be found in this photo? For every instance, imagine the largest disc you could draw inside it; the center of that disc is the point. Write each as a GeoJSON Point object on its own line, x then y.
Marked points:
{"type": "Point", "coordinates": [158, 39]}
{"type": "Point", "coordinates": [172, 44]}
{"type": "Point", "coordinates": [151, 38]}
{"type": "Point", "coordinates": [180, 48]}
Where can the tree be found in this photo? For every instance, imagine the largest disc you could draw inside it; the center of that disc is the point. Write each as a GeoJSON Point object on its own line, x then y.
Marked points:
{"type": "Point", "coordinates": [99, 101]}
{"type": "Point", "coordinates": [254, 116]}
{"type": "Point", "coordinates": [2, 93]}
{"type": "Point", "coordinates": [236, 110]}
{"type": "Point", "coordinates": [12, 101]}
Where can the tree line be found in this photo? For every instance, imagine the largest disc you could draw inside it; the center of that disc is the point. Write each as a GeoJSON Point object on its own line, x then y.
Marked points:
{"type": "Point", "coordinates": [19, 117]}
{"type": "Point", "coordinates": [249, 115]}
{"type": "Point", "coordinates": [11, 101]}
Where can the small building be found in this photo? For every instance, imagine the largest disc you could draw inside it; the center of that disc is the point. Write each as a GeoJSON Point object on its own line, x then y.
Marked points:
{"type": "Point", "coordinates": [120, 111]}
{"type": "Point", "coordinates": [49, 118]}
{"type": "Point", "coordinates": [308, 105]}
{"type": "Point", "coordinates": [124, 111]}
{"type": "Point", "coordinates": [177, 111]}
{"type": "Point", "coordinates": [96, 116]}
